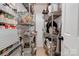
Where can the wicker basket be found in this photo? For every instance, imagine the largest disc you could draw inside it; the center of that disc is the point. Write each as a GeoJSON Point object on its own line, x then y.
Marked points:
{"type": "Point", "coordinates": [27, 19]}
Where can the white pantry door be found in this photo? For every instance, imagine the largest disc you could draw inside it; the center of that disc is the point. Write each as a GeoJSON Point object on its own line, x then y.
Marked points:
{"type": "Point", "coordinates": [70, 29]}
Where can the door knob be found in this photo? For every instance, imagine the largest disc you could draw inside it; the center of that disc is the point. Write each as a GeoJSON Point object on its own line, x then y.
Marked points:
{"type": "Point", "coordinates": [61, 38]}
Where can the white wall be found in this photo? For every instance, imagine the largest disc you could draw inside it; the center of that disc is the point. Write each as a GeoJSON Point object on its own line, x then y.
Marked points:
{"type": "Point", "coordinates": [39, 23]}
{"type": "Point", "coordinates": [70, 45]}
